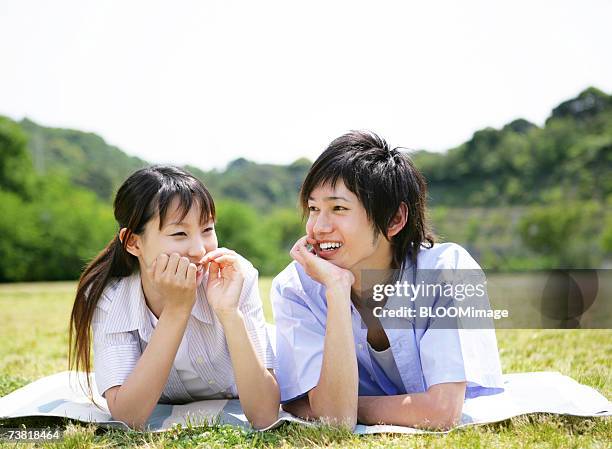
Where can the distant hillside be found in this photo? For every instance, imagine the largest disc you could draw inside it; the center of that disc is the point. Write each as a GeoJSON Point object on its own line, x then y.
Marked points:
{"type": "Point", "coordinates": [524, 197]}
{"type": "Point", "coordinates": [84, 157]}
{"type": "Point", "coordinates": [569, 157]}
{"type": "Point", "coordinates": [92, 163]}
{"type": "Point", "coordinates": [263, 186]}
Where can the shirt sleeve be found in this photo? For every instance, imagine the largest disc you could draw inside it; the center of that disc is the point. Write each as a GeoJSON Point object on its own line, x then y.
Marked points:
{"type": "Point", "coordinates": [115, 354]}
{"type": "Point", "coordinates": [462, 355]}
{"type": "Point", "coordinates": [251, 307]}
{"type": "Point", "coordinates": [454, 353]}
{"type": "Point", "coordinates": [299, 342]}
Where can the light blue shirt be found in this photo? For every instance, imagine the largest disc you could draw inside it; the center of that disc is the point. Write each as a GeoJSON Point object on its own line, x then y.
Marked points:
{"type": "Point", "coordinates": [424, 356]}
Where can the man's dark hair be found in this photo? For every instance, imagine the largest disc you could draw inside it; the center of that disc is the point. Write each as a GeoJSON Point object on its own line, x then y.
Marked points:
{"type": "Point", "coordinates": [382, 178]}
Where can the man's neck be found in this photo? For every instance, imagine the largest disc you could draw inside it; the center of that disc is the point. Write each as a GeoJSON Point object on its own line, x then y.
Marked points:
{"type": "Point", "coordinates": [366, 277]}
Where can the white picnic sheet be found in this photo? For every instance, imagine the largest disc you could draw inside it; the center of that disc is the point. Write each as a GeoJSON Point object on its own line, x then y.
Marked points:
{"type": "Point", "coordinates": [537, 392]}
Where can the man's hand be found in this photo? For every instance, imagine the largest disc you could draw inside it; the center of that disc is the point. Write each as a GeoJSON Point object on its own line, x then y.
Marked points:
{"type": "Point", "coordinates": [321, 270]}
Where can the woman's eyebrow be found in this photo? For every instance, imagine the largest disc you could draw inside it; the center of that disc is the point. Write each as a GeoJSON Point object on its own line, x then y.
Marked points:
{"type": "Point", "coordinates": [175, 223]}
{"type": "Point", "coordinates": [330, 198]}
{"type": "Point", "coordinates": [186, 225]}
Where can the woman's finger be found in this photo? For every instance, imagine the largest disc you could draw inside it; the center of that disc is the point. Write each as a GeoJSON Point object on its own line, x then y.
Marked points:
{"type": "Point", "coordinates": [216, 253]}
{"type": "Point", "coordinates": [172, 264]}
{"type": "Point", "coordinates": [213, 272]}
{"type": "Point", "coordinates": [183, 266]}
{"type": "Point", "coordinates": [191, 273]}
{"type": "Point", "coordinates": [227, 259]}
{"type": "Point", "coordinates": [161, 264]}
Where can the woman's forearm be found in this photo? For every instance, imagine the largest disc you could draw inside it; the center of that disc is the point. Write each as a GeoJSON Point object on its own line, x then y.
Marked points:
{"type": "Point", "coordinates": [335, 396]}
{"type": "Point", "coordinates": [257, 387]}
{"type": "Point", "coordinates": [134, 401]}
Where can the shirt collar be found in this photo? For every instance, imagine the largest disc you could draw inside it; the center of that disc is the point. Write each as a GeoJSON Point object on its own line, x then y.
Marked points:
{"type": "Point", "coordinates": [128, 311]}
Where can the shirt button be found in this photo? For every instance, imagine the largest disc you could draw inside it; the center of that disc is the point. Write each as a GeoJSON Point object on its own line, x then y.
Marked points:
{"type": "Point", "coordinates": [211, 382]}
{"type": "Point", "coordinates": [200, 360]}
{"type": "Point", "coordinates": [360, 346]}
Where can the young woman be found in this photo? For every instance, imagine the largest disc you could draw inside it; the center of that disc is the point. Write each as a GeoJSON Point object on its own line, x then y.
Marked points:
{"type": "Point", "coordinates": [337, 359]}
{"type": "Point", "coordinates": [174, 318]}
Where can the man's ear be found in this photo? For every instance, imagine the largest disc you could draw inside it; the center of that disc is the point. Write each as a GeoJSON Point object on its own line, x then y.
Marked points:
{"type": "Point", "coordinates": [398, 221]}
{"type": "Point", "coordinates": [133, 244]}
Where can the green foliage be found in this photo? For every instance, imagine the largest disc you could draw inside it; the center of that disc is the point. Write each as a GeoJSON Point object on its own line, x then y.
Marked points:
{"type": "Point", "coordinates": [567, 233]}
{"type": "Point", "coordinates": [264, 241]}
{"type": "Point", "coordinates": [85, 158]}
{"type": "Point", "coordinates": [521, 197]}
{"type": "Point", "coordinates": [569, 158]}
{"type": "Point", "coordinates": [21, 237]}
{"type": "Point", "coordinates": [264, 186]}
{"type": "Point", "coordinates": [15, 163]}
{"type": "Point", "coordinates": [53, 236]}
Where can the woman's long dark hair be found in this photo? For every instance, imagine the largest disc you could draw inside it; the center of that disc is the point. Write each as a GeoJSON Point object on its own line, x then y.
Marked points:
{"type": "Point", "coordinates": [145, 194]}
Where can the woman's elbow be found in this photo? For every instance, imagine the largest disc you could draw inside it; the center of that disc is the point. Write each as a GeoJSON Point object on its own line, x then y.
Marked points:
{"type": "Point", "coordinates": [263, 422]}
{"type": "Point", "coordinates": [134, 421]}
{"type": "Point", "coordinates": [263, 419]}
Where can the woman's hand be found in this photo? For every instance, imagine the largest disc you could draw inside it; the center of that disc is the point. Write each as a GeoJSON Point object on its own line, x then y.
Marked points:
{"type": "Point", "coordinates": [321, 270]}
{"type": "Point", "coordinates": [225, 279]}
{"type": "Point", "coordinates": [174, 278]}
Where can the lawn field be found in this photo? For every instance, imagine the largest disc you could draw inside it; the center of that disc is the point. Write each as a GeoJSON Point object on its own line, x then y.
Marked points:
{"type": "Point", "coordinates": [33, 336]}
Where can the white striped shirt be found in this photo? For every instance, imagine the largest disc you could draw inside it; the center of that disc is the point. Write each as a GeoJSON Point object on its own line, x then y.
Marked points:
{"type": "Point", "coordinates": [122, 328]}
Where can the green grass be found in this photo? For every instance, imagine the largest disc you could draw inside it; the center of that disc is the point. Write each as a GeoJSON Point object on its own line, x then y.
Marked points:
{"type": "Point", "coordinates": [33, 332]}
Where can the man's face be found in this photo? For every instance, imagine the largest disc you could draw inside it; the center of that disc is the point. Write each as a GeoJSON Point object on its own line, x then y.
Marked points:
{"type": "Point", "coordinates": [338, 222]}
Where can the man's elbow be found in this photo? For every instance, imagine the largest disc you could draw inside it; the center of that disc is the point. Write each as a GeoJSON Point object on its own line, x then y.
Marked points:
{"type": "Point", "coordinates": [337, 416]}
{"type": "Point", "coordinates": [445, 416]}
{"type": "Point", "coordinates": [336, 413]}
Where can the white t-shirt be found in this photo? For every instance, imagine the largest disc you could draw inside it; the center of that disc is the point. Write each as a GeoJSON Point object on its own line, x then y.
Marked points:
{"type": "Point", "coordinates": [386, 361]}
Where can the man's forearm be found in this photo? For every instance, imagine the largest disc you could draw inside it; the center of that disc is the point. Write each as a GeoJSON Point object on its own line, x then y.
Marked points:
{"type": "Point", "coordinates": [335, 396]}
{"type": "Point", "coordinates": [439, 407]}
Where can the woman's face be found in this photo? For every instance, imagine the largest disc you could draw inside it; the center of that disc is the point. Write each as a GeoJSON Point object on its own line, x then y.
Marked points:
{"type": "Point", "coordinates": [189, 238]}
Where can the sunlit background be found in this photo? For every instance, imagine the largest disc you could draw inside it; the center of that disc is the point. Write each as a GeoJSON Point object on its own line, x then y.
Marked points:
{"type": "Point", "coordinates": [206, 82]}
{"type": "Point", "coordinates": [506, 106]}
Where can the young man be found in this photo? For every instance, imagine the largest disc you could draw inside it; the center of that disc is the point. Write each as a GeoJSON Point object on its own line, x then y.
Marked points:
{"type": "Point", "coordinates": [366, 208]}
